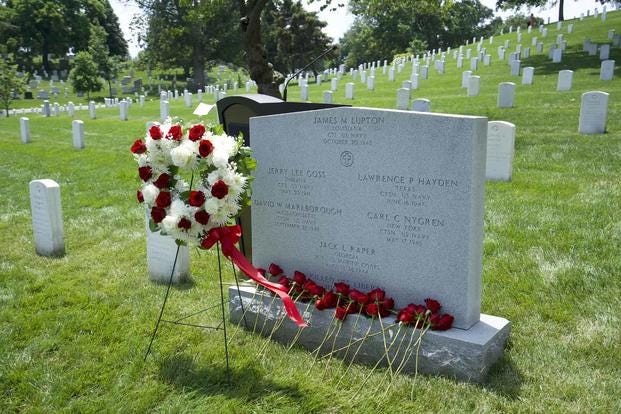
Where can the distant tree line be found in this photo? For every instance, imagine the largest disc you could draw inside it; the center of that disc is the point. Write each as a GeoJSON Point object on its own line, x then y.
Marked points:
{"type": "Point", "coordinates": [44, 28]}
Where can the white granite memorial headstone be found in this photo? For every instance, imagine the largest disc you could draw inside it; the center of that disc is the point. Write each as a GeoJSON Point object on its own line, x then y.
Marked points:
{"type": "Point", "coordinates": [500, 150]}
{"type": "Point", "coordinates": [47, 221]}
{"type": "Point", "coordinates": [24, 130]}
{"type": "Point", "coordinates": [565, 79]}
{"type": "Point", "coordinates": [506, 94]}
{"type": "Point", "coordinates": [593, 113]}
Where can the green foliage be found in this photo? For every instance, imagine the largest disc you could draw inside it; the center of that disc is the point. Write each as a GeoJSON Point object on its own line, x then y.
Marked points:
{"type": "Point", "coordinates": [43, 27]}
{"type": "Point", "coordinates": [108, 66]}
{"type": "Point", "coordinates": [85, 75]}
{"type": "Point", "coordinates": [189, 34]}
{"type": "Point", "coordinates": [292, 35]}
{"type": "Point", "coordinates": [10, 83]}
{"type": "Point", "coordinates": [414, 25]}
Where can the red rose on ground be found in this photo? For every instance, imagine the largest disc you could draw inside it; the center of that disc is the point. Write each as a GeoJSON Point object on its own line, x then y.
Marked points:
{"type": "Point", "coordinates": [155, 132]}
{"type": "Point", "coordinates": [205, 147]}
{"type": "Point", "coordinates": [145, 173]}
{"type": "Point", "coordinates": [175, 132]}
{"type": "Point", "coordinates": [274, 269]}
{"type": "Point", "coordinates": [441, 323]}
{"type": "Point", "coordinates": [139, 196]}
{"type": "Point", "coordinates": [433, 305]}
{"type": "Point", "coordinates": [299, 277]}
{"type": "Point", "coordinates": [138, 147]}
{"type": "Point", "coordinates": [184, 223]}
{"type": "Point", "coordinates": [158, 214]}
{"type": "Point", "coordinates": [284, 280]}
{"type": "Point", "coordinates": [377, 295]}
{"type": "Point", "coordinates": [201, 217]}
{"type": "Point", "coordinates": [196, 132]}
{"type": "Point", "coordinates": [163, 199]}
{"type": "Point", "coordinates": [197, 198]}
{"type": "Point", "coordinates": [340, 314]}
{"type": "Point", "coordinates": [359, 297]}
{"type": "Point", "coordinates": [219, 189]}
{"type": "Point", "coordinates": [341, 288]}
{"type": "Point", "coordinates": [162, 181]}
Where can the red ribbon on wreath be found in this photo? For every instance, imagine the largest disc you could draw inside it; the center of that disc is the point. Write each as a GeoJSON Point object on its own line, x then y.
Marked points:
{"type": "Point", "coordinates": [229, 236]}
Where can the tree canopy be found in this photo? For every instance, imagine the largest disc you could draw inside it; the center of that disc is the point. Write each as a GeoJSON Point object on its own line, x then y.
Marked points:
{"type": "Point", "coordinates": [385, 28]}
{"type": "Point", "coordinates": [51, 27]}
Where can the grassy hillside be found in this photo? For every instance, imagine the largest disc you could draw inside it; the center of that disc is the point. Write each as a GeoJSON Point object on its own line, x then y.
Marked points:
{"type": "Point", "coordinates": [73, 330]}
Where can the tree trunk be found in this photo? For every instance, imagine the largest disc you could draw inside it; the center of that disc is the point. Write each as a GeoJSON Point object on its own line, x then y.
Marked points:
{"type": "Point", "coordinates": [198, 62]}
{"type": "Point", "coordinates": [44, 53]}
{"type": "Point", "coordinates": [561, 6]}
{"type": "Point", "coordinates": [110, 88]}
{"type": "Point", "coordinates": [261, 71]}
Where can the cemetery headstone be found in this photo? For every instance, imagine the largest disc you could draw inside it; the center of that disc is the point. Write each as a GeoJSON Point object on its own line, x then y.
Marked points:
{"type": "Point", "coordinates": [24, 130]}
{"type": "Point", "coordinates": [424, 72]}
{"type": "Point", "coordinates": [604, 52]}
{"type": "Point", "coordinates": [334, 84]}
{"type": "Point", "coordinates": [303, 92]}
{"type": "Point", "coordinates": [515, 67]}
{"type": "Point", "coordinates": [349, 90]}
{"type": "Point", "coordinates": [421, 231]}
{"type": "Point", "coordinates": [421, 105]}
{"type": "Point", "coordinates": [77, 128]}
{"type": "Point", "coordinates": [327, 97]}
{"type": "Point", "coordinates": [403, 98]}
{"type": "Point", "coordinates": [70, 109]}
{"type": "Point", "coordinates": [607, 70]}
{"type": "Point", "coordinates": [500, 150]}
{"type": "Point", "coordinates": [123, 110]}
{"type": "Point", "coordinates": [474, 85]}
{"type": "Point", "coordinates": [47, 112]}
{"type": "Point", "coordinates": [593, 113]}
{"type": "Point", "coordinates": [164, 110]}
{"type": "Point", "coordinates": [161, 252]}
{"type": "Point", "coordinates": [47, 221]}
{"type": "Point", "coordinates": [528, 75]}
{"type": "Point", "coordinates": [465, 75]}
{"type": "Point", "coordinates": [565, 79]}
{"type": "Point", "coordinates": [91, 110]}
{"type": "Point", "coordinates": [371, 83]}
{"type": "Point", "coordinates": [506, 94]}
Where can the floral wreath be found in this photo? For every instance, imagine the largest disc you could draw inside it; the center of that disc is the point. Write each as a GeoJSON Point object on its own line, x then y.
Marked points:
{"type": "Point", "coordinates": [198, 212]}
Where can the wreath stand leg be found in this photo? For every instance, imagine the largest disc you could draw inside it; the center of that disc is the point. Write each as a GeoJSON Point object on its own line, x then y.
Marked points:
{"type": "Point", "coordinates": [220, 326]}
{"type": "Point", "coordinates": [159, 319]}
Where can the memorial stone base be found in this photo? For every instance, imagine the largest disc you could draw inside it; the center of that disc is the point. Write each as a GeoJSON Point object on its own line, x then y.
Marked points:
{"type": "Point", "coordinates": [462, 354]}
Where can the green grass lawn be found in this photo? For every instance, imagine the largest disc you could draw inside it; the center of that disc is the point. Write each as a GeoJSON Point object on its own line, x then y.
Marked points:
{"type": "Point", "coordinates": [73, 330]}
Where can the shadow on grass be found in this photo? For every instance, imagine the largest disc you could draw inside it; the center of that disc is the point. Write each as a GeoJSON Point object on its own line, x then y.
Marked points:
{"type": "Point", "coordinates": [504, 378]}
{"type": "Point", "coordinates": [247, 383]}
{"type": "Point", "coordinates": [573, 59]}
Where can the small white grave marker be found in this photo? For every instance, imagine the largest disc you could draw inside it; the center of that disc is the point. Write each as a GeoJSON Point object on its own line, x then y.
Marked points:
{"type": "Point", "coordinates": [47, 221]}
{"type": "Point", "coordinates": [164, 110]}
{"type": "Point", "coordinates": [607, 70]}
{"type": "Point", "coordinates": [565, 79]}
{"type": "Point", "coordinates": [161, 252]}
{"type": "Point", "coordinates": [465, 75]}
{"type": "Point", "coordinates": [24, 130]}
{"type": "Point", "coordinates": [528, 75]}
{"type": "Point", "coordinates": [403, 98]}
{"type": "Point", "coordinates": [327, 97]}
{"type": "Point", "coordinates": [349, 90]}
{"type": "Point", "coordinates": [506, 94]}
{"type": "Point", "coordinates": [474, 85]}
{"type": "Point", "coordinates": [421, 105]}
{"type": "Point", "coordinates": [500, 150]}
{"type": "Point", "coordinates": [91, 110]}
{"type": "Point", "coordinates": [77, 128]}
{"type": "Point", "coordinates": [70, 109]}
{"type": "Point", "coordinates": [593, 113]}
{"type": "Point", "coordinates": [123, 110]}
